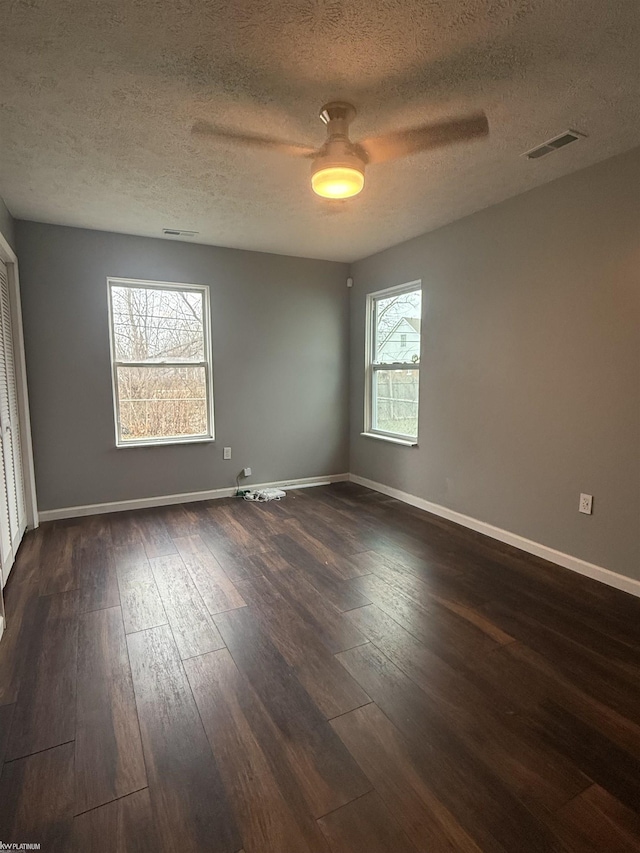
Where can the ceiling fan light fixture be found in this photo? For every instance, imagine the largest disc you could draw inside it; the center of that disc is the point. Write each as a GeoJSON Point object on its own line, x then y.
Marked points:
{"type": "Point", "coordinates": [338, 166]}
{"type": "Point", "coordinates": [337, 181]}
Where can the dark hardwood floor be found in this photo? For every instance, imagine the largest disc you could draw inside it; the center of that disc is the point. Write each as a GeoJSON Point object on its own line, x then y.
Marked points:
{"type": "Point", "coordinates": [333, 673]}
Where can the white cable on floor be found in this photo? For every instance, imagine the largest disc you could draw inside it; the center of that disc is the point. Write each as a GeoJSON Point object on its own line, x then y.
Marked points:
{"type": "Point", "coordinates": [262, 495]}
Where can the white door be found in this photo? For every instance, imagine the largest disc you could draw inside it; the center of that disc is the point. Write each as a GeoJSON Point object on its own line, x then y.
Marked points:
{"type": "Point", "coordinates": [13, 519]}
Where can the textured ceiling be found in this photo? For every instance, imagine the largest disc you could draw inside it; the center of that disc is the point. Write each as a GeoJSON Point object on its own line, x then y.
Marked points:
{"type": "Point", "coordinates": [97, 100]}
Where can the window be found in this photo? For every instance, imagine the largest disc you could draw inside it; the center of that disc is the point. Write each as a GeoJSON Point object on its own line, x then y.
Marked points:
{"type": "Point", "coordinates": [393, 362]}
{"type": "Point", "coordinates": [161, 362]}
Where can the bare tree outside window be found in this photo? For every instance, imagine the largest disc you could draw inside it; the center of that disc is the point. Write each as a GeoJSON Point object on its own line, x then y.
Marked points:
{"type": "Point", "coordinates": [394, 361]}
{"type": "Point", "coordinates": [161, 362]}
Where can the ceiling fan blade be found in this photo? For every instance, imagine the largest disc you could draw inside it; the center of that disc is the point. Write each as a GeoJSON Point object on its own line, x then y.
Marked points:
{"type": "Point", "coordinates": [253, 140]}
{"type": "Point", "coordinates": [401, 143]}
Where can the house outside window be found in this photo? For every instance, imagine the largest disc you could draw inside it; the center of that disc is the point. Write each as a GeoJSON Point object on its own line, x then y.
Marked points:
{"type": "Point", "coordinates": [393, 362]}
{"type": "Point", "coordinates": [161, 362]}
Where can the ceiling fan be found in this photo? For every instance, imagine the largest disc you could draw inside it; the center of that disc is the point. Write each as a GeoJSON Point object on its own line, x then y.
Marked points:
{"type": "Point", "coordinates": [338, 166]}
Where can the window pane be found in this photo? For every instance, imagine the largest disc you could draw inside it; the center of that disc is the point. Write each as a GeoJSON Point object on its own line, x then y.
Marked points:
{"type": "Point", "coordinates": [162, 402]}
{"type": "Point", "coordinates": [157, 324]}
{"type": "Point", "coordinates": [397, 328]}
{"type": "Point", "coordinates": [395, 401]}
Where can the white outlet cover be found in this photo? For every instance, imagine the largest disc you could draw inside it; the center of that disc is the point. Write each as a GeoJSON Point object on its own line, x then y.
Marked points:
{"type": "Point", "coordinates": [586, 504]}
{"type": "Point", "coordinates": [226, 453]}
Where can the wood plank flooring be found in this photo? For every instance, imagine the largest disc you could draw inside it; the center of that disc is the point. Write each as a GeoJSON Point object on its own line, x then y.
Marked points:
{"type": "Point", "coordinates": [334, 673]}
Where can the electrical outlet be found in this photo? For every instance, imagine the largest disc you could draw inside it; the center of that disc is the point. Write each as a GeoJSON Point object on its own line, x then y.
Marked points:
{"type": "Point", "coordinates": [246, 472]}
{"type": "Point", "coordinates": [586, 504]}
{"type": "Point", "coordinates": [226, 453]}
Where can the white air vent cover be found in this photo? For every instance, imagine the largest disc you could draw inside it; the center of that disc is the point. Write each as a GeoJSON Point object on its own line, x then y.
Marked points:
{"type": "Point", "coordinates": [178, 232]}
{"type": "Point", "coordinates": [550, 145]}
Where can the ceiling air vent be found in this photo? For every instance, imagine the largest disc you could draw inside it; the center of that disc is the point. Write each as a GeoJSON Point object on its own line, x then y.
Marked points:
{"type": "Point", "coordinates": [550, 145]}
{"type": "Point", "coordinates": [178, 232]}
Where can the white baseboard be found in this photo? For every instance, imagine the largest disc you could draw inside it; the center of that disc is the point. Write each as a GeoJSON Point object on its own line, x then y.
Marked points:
{"type": "Point", "coordinates": [598, 573]}
{"type": "Point", "coordinates": [187, 497]}
{"type": "Point", "coordinates": [575, 564]}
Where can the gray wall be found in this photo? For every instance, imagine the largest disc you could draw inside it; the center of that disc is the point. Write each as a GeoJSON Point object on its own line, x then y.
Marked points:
{"type": "Point", "coordinates": [7, 225]}
{"type": "Point", "coordinates": [530, 389]}
{"type": "Point", "coordinates": [280, 350]}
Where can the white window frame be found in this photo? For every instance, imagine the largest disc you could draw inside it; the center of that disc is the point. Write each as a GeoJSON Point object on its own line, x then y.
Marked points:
{"type": "Point", "coordinates": [371, 366]}
{"type": "Point", "coordinates": [207, 363]}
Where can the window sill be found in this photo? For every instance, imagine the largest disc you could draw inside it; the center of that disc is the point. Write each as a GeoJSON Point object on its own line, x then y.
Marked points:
{"type": "Point", "coordinates": [166, 442]}
{"type": "Point", "coordinates": [404, 442]}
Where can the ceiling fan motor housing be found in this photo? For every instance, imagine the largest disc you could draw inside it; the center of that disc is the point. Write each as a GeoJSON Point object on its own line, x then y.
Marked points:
{"type": "Point", "coordinates": [338, 151]}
